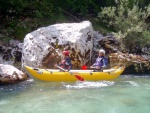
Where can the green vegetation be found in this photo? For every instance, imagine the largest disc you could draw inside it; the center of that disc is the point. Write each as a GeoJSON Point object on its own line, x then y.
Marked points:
{"type": "Point", "coordinates": [125, 18]}
{"type": "Point", "coordinates": [128, 21]}
{"type": "Point", "coordinates": [18, 17]}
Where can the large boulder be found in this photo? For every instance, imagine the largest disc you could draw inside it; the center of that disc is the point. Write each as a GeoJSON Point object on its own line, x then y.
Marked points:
{"type": "Point", "coordinates": [43, 47]}
{"type": "Point", "coordinates": [10, 74]}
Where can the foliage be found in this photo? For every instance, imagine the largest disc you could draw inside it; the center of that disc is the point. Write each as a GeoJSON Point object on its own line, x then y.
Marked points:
{"type": "Point", "coordinates": [17, 17]}
{"type": "Point", "coordinates": [128, 22]}
{"type": "Point", "coordinates": [82, 7]}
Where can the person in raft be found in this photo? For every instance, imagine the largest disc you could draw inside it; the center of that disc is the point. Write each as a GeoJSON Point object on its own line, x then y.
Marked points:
{"type": "Point", "coordinates": [101, 62]}
{"type": "Point", "coordinates": [66, 62]}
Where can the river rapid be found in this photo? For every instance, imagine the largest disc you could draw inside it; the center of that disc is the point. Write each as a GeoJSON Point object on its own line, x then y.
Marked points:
{"type": "Point", "coordinates": [126, 94]}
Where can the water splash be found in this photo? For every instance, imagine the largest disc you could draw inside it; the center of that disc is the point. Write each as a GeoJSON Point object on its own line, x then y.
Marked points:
{"type": "Point", "coordinates": [132, 83]}
{"type": "Point", "coordinates": [87, 84]}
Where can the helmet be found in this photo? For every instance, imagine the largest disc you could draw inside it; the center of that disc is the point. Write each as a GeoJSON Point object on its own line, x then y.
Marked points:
{"type": "Point", "coordinates": [66, 53]}
{"type": "Point", "coordinates": [102, 51]}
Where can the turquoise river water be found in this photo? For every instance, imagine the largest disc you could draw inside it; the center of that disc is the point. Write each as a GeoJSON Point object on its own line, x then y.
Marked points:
{"type": "Point", "coordinates": [126, 94]}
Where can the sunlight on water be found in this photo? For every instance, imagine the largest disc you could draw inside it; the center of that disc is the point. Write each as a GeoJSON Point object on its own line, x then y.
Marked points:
{"type": "Point", "coordinates": [127, 94]}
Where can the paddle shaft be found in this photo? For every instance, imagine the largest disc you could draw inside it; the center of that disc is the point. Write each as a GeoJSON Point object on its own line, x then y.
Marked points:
{"type": "Point", "coordinates": [77, 76]}
{"type": "Point", "coordinates": [61, 68]}
{"type": "Point", "coordinates": [85, 67]}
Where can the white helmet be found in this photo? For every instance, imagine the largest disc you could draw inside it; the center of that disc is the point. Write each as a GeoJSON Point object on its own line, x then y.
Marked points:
{"type": "Point", "coordinates": [102, 51]}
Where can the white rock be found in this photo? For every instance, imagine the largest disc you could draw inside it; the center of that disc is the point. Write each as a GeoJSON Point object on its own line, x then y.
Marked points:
{"type": "Point", "coordinates": [10, 74]}
{"type": "Point", "coordinates": [42, 41]}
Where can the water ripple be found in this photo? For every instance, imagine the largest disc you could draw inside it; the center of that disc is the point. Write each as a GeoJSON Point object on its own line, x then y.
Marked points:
{"type": "Point", "coordinates": [132, 83]}
{"type": "Point", "coordinates": [87, 84]}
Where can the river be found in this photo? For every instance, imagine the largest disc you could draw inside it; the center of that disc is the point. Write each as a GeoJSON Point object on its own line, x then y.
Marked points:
{"type": "Point", "coordinates": [126, 94]}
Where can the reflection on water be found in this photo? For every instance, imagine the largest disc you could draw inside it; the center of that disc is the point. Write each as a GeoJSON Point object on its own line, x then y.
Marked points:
{"type": "Point", "coordinates": [127, 94]}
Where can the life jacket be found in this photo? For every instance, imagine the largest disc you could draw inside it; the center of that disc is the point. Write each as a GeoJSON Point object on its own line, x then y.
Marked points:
{"type": "Point", "coordinates": [105, 60]}
{"type": "Point", "coordinates": [66, 63]}
{"type": "Point", "coordinates": [101, 62]}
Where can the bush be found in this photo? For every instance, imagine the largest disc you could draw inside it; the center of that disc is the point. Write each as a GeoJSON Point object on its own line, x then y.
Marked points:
{"type": "Point", "coordinates": [128, 22]}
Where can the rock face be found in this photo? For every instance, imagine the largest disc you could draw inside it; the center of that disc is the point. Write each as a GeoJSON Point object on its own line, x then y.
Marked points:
{"type": "Point", "coordinates": [10, 74]}
{"type": "Point", "coordinates": [109, 42]}
{"type": "Point", "coordinates": [11, 53]}
{"type": "Point", "coordinates": [144, 52]}
{"type": "Point", "coordinates": [43, 47]}
{"type": "Point", "coordinates": [134, 64]}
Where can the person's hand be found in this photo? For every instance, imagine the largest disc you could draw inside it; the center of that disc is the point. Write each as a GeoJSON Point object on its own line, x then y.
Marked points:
{"type": "Point", "coordinates": [91, 67]}
{"type": "Point", "coordinates": [63, 61]}
{"type": "Point", "coordinates": [66, 70]}
{"type": "Point", "coordinates": [55, 65]}
{"type": "Point", "coordinates": [97, 67]}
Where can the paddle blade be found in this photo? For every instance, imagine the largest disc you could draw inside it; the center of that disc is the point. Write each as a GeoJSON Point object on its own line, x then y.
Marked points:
{"type": "Point", "coordinates": [84, 67]}
{"type": "Point", "coordinates": [79, 78]}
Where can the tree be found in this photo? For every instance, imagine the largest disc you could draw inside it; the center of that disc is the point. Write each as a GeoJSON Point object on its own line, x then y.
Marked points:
{"type": "Point", "coordinates": [128, 22]}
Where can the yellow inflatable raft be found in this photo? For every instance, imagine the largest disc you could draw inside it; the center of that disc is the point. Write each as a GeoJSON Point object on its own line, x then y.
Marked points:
{"type": "Point", "coordinates": [56, 75]}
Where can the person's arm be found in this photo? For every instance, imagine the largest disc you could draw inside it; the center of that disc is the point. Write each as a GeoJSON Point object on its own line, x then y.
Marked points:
{"type": "Point", "coordinates": [60, 64]}
{"type": "Point", "coordinates": [98, 67]}
{"type": "Point", "coordinates": [92, 66]}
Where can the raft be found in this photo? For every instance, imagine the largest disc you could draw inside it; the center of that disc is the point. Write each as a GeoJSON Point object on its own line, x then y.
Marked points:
{"type": "Point", "coordinates": [57, 75]}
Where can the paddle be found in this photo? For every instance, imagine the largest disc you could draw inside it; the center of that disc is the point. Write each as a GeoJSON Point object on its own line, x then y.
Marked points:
{"type": "Point", "coordinates": [84, 67]}
{"type": "Point", "coordinates": [77, 76]}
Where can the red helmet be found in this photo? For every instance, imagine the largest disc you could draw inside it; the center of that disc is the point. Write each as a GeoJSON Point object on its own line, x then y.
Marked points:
{"type": "Point", "coordinates": [66, 53]}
